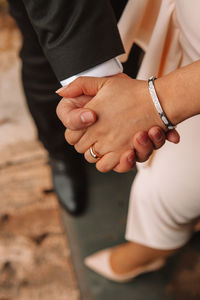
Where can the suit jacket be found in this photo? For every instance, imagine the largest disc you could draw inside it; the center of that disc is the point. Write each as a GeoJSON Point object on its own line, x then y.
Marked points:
{"type": "Point", "coordinates": [75, 34]}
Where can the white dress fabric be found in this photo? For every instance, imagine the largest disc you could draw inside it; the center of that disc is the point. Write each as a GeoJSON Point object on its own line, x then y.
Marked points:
{"type": "Point", "coordinates": [165, 196]}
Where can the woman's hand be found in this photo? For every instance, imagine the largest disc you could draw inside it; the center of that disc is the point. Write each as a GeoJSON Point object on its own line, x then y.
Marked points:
{"type": "Point", "coordinates": [123, 107]}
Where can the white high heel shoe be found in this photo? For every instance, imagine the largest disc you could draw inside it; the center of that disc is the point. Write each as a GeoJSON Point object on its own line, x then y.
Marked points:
{"type": "Point", "coordinates": [100, 263]}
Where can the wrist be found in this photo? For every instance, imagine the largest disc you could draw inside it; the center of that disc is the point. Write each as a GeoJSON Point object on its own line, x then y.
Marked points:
{"type": "Point", "coordinates": [157, 104]}
{"type": "Point", "coordinates": [167, 94]}
{"type": "Point", "coordinates": [179, 93]}
{"type": "Point", "coordinates": [149, 108]}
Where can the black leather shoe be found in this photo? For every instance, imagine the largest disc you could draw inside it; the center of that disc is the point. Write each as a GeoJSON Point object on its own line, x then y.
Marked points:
{"type": "Point", "coordinates": [69, 180]}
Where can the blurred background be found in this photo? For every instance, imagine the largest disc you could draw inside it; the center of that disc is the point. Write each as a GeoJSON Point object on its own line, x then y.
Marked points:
{"type": "Point", "coordinates": [35, 260]}
{"type": "Point", "coordinates": [34, 256]}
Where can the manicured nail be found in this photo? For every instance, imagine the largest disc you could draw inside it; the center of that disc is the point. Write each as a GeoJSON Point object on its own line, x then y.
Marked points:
{"type": "Point", "coordinates": [61, 89]}
{"type": "Point", "coordinates": [158, 136]}
{"type": "Point", "coordinates": [87, 117]}
{"type": "Point", "coordinates": [143, 139]}
{"type": "Point", "coordinates": [174, 139]}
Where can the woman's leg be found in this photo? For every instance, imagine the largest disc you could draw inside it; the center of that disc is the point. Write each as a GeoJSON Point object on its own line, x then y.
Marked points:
{"type": "Point", "coordinates": [164, 207]}
{"type": "Point", "coordinates": [129, 256]}
{"type": "Point", "coordinates": [164, 203]}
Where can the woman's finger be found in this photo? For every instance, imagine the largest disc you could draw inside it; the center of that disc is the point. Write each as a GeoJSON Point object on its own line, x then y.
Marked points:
{"type": "Point", "coordinates": [73, 137]}
{"type": "Point", "coordinates": [142, 145]}
{"type": "Point", "coordinates": [86, 141]}
{"type": "Point", "coordinates": [173, 136]}
{"type": "Point", "coordinates": [108, 162]}
{"type": "Point", "coordinates": [157, 136]}
{"type": "Point", "coordinates": [89, 157]}
{"type": "Point", "coordinates": [127, 162]}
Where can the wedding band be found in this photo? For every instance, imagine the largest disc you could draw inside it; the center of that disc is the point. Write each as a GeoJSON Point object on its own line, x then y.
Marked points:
{"type": "Point", "coordinates": [93, 153]}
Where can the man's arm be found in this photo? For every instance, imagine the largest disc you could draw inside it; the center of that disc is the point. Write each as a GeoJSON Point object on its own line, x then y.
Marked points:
{"type": "Point", "coordinates": [75, 35]}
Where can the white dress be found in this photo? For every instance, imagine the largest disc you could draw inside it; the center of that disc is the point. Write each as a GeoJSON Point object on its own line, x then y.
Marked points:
{"type": "Point", "coordinates": [165, 197]}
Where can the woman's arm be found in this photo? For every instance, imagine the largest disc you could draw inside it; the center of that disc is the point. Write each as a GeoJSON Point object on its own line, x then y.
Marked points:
{"type": "Point", "coordinates": [179, 92]}
{"type": "Point", "coordinates": [124, 106]}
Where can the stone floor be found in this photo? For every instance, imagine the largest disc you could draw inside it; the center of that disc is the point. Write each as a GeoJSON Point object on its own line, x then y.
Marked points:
{"type": "Point", "coordinates": [103, 225]}
{"type": "Point", "coordinates": [35, 260]}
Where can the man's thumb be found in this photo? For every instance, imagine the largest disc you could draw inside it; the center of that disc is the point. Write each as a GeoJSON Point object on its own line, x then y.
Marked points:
{"type": "Point", "coordinates": [82, 86]}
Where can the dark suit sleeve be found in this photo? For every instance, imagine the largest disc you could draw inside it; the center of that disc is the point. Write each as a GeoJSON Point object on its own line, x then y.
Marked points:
{"type": "Point", "coordinates": [75, 34]}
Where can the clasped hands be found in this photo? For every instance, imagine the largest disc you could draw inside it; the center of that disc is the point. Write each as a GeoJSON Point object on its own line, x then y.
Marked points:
{"type": "Point", "coordinates": [116, 116]}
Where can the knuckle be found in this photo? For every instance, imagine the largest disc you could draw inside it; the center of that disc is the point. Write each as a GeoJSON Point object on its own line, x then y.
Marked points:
{"type": "Point", "coordinates": [79, 81]}
{"type": "Point", "coordinates": [59, 109]}
{"type": "Point", "coordinates": [102, 167]}
{"type": "Point", "coordinates": [67, 121]}
{"type": "Point", "coordinates": [69, 137]}
{"type": "Point", "coordinates": [62, 115]}
{"type": "Point", "coordinates": [120, 169]}
{"type": "Point", "coordinates": [87, 157]}
{"type": "Point", "coordinates": [78, 148]}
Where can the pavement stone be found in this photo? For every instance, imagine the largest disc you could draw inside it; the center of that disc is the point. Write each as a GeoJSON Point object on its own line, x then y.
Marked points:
{"type": "Point", "coordinates": [35, 260]}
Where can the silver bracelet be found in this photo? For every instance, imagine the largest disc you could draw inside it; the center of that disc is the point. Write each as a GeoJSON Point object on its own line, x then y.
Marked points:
{"type": "Point", "coordinates": [157, 104]}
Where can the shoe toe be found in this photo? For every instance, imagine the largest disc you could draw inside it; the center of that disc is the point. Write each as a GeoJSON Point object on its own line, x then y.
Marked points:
{"type": "Point", "coordinates": [100, 263]}
{"type": "Point", "coordinates": [70, 187]}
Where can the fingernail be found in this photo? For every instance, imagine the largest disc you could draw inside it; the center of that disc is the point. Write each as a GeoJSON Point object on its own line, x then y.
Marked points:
{"type": "Point", "coordinates": [61, 89]}
{"type": "Point", "coordinates": [158, 136]}
{"type": "Point", "coordinates": [87, 117]}
{"type": "Point", "coordinates": [174, 139]}
{"type": "Point", "coordinates": [143, 139]}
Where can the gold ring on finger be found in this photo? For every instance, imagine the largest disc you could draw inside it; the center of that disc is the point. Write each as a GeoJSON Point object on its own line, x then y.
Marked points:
{"type": "Point", "coordinates": [93, 153]}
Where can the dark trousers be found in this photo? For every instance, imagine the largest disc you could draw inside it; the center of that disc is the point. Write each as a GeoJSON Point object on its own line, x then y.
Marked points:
{"type": "Point", "coordinates": [40, 84]}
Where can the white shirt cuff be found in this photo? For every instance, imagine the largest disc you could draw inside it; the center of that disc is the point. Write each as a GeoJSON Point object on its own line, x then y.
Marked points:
{"type": "Point", "coordinates": [108, 68]}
